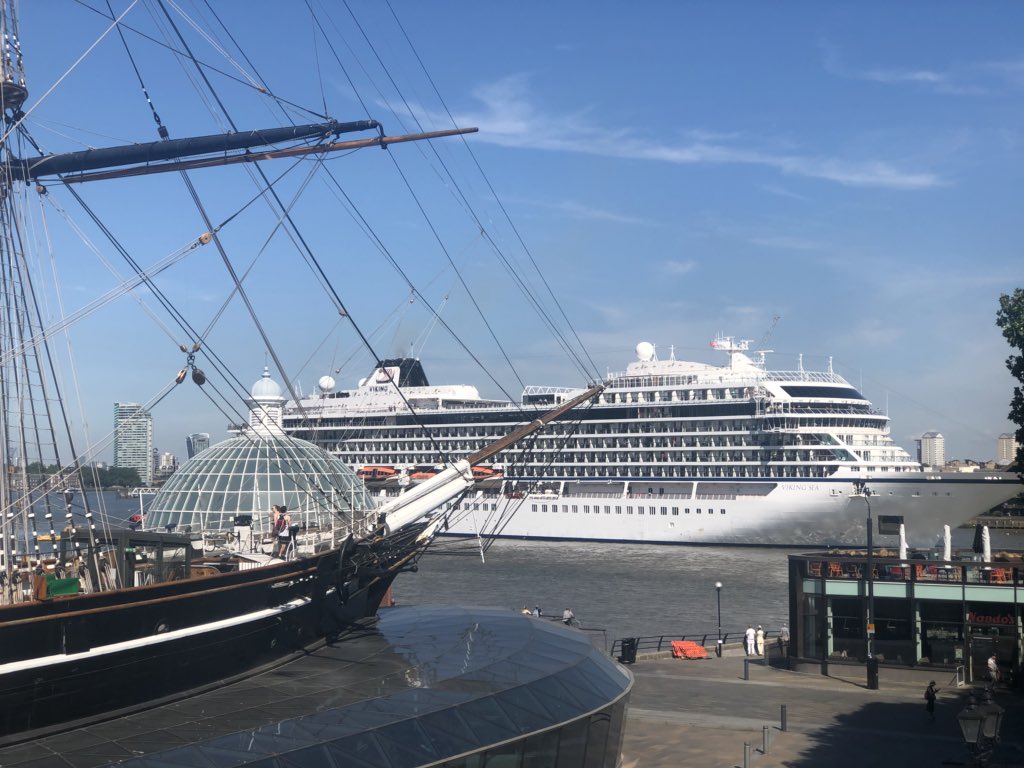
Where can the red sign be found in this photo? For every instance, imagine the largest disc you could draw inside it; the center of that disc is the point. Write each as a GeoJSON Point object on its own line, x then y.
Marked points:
{"type": "Point", "coordinates": [982, 618]}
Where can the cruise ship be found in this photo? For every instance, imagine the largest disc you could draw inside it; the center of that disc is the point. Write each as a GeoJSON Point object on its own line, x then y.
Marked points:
{"type": "Point", "coordinates": [670, 452]}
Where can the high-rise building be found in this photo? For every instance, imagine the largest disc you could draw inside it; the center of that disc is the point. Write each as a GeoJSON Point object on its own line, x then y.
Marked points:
{"type": "Point", "coordinates": [1006, 448]}
{"type": "Point", "coordinates": [931, 450]}
{"type": "Point", "coordinates": [133, 439]}
{"type": "Point", "coordinates": [196, 443]}
{"type": "Point", "coordinates": [166, 467]}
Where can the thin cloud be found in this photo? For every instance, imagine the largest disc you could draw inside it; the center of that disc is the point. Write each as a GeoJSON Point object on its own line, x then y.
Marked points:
{"type": "Point", "coordinates": [939, 82]}
{"type": "Point", "coordinates": [782, 192]}
{"type": "Point", "coordinates": [575, 210]}
{"type": "Point", "coordinates": [679, 267]}
{"type": "Point", "coordinates": [580, 211]}
{"type": "Point", "coordinates": [787, 242]}
{"type": "Point", "coordinates": [510, 118]}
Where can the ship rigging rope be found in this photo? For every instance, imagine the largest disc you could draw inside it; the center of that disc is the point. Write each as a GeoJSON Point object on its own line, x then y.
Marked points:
{"type": "Point", "coordinates": [593, 368]}
{"type": "Point", "coordinates": [126, 286]}
{"type": "Point", "coordinates": [23, 115]}
{"type": "Point", "coordinates": [461, 197]}
{"type": "Point", "coordinates": [303, 248]}
{"type": "Point", "coordinates": [369, 231]}
{"type": "Point", "coordinates": [451, 182]}
{"type": "Point", "coordinates": [261, 88]}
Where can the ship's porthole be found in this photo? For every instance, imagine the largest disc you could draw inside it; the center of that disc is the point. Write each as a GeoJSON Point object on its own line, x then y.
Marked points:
{"type": "Point", "coordinates": [161, 627]}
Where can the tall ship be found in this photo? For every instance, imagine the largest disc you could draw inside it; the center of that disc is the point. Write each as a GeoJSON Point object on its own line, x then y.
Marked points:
{"type": "Point", "coordinates": [98, 618]}
{"type": "Point", "coordinates": [672, 451]}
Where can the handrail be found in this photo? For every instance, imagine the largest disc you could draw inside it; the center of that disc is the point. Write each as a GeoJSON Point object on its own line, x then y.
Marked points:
{"type": "Point", "coordinates": [658, 643]}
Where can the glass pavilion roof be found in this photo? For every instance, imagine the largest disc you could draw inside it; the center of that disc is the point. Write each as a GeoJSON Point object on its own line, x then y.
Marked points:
{"type": "Point", "coordinates": [427, 684]}
{"type": "Point", "coordinates": [246, 475]}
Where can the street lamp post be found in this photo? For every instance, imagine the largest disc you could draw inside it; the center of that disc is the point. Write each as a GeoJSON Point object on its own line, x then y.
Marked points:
{"type": "Point", "coordinates": [864, 492]}
{"type": "Point", "coordinates": [718, 591]}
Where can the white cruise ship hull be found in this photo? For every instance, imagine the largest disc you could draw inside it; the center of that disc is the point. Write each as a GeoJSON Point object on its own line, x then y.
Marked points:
{"type": "Point", "coordinates": [792, 513]}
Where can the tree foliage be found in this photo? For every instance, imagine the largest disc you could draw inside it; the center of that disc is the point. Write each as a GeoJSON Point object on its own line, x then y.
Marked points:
{"type": "Point", "coordinates": [112, 477]}
{"type": "Point", "coordinates": [1010, 318]}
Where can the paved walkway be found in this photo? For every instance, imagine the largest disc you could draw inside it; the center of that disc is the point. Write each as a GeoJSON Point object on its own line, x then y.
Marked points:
{"type": "Point", "coordinates": [700, 713]}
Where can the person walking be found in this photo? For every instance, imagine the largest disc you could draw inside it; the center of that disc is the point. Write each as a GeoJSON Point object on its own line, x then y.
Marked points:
{"type": "Point", "coordinates": [993, 669]}
{"type": "Point", "coordinates": [784, 639]}
{"type": "Point", "coordinates": [283, 531]}
{"type": "Point", "coordinates": [930, 694]}
{"type": "Point", "coordinates": [536, 611]}
{"type": "Point", "coordinates": [568, 617]}
{"type": "Point", "coordinates": [759, 640]}
{"type": "Point", "coordinates": [748, 637]}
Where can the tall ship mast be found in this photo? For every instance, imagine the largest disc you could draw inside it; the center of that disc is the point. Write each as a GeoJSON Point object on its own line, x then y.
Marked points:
{"type": "Point", "coordinates": [672, 451]}
{"type": "Point", "coordinates": [209, 585]}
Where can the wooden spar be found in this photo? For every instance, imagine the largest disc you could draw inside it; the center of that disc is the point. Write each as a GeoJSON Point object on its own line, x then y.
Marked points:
{"type": "Point", "coordinates": [251, 157]}
{"type": "Point", "coordinates": [527, 429]}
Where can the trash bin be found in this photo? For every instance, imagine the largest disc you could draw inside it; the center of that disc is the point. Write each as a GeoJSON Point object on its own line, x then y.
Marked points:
{"type": "Point", "coordinates": [628, 650]}
{"type": "Point", "coordinates": [873, 674]}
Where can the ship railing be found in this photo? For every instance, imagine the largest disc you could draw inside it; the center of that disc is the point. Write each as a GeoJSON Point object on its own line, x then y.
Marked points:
{"type": "Point", "coordinates": [822, 376]}
{"type": "Point", "coordinates": [707, 639]}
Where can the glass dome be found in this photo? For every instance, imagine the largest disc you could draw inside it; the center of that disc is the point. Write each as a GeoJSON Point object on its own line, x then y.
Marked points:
{"type": "Point", "coordinates": [246, 475]}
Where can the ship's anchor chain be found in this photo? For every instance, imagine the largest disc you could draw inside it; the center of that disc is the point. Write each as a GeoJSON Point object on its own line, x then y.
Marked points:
{"type": "Point", "coordinates": [190, 364]}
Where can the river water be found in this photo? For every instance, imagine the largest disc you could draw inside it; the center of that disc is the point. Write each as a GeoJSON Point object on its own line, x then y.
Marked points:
{"type": "Point", "coordinates": [626, 590]}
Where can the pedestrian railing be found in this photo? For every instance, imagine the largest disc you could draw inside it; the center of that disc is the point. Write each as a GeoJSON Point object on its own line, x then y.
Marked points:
{"type": "Point", "coordinates": [658, 643]}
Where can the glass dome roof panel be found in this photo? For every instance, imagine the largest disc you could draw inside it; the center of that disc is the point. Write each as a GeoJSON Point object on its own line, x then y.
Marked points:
{"type": "Point", "coordinates": [245, 475]}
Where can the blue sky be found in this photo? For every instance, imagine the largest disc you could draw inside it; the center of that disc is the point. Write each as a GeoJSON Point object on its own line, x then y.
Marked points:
{"type": "Point", "coordinates": [677, 170]}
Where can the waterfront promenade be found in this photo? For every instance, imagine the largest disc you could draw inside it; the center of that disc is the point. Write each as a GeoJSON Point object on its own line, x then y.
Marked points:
{"type": "Point", "coordinates": [700, 712]}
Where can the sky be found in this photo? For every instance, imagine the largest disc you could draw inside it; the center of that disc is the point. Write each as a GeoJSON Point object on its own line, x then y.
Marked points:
{"type": "Point", "coordinates": [833, 180]}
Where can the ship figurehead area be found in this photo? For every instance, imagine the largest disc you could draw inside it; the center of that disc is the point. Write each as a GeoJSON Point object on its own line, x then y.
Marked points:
{"type": "Point", "coordinates": [672, 451]}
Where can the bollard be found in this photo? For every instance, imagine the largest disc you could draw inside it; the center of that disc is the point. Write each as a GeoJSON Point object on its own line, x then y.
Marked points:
{"type": "Point", "coordinates": [764, 739]}
{"type": "Point", "coordinates": [746, 754]}
{"type": "Point", "coordinates": [746, 669]}
{"type": "Point", "coordinates": [783, 718]}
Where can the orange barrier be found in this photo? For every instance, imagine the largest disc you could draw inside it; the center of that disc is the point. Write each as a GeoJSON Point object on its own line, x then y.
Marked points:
{"type": "Point", "coordinates": [687, 649]}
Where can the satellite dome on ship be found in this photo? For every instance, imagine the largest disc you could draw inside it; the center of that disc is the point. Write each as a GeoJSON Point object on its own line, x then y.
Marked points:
{"type": "Point", "coordinates": [262, 466]}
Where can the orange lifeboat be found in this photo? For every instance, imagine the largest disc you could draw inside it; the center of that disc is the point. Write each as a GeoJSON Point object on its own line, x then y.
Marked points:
{"type": "Point", "coordinates": [486, 473]}
{"type": "Point", "coordinates": [376, 473]}
{"type": "Point", "coordinates": [422, 473]}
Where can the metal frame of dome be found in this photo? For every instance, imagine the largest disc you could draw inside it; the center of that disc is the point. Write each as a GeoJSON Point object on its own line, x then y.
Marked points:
{"type": "Point", "coordinates": [246, 475]}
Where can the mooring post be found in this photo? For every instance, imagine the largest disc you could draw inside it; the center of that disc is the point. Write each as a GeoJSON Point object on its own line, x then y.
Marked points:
{"type": "Point", "coordinates": [783, 718]}
{"type": "Point", "coordinates": [746, 754]}
{"type": "Point", "coordinates": [746, 669]}
{"type": "Point", "coordinates": [764, 739]}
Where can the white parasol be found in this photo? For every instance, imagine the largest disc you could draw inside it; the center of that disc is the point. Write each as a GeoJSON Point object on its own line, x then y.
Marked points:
{"type": "Point", "coordinates": [986, 545]}
{"type": "Point", "coordinates": [947, 544]}
{"type": "Point", "coordinates": [903, 542]}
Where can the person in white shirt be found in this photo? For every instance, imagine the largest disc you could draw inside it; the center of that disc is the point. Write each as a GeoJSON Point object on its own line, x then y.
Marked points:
{"type": "Point", "coordinates": [759, 640]}
{"type": "Point", "coordinates": [993, 669]}
{"type": "Point", "coordinates": [749, 636]}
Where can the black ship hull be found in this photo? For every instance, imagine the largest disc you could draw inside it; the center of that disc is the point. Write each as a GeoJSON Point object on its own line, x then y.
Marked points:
{"type": "Point", "coordinates": [68, 661]}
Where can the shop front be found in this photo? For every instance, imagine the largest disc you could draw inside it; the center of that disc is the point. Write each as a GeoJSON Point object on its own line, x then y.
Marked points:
{"type": "Point", "coordinates": [925, 613]}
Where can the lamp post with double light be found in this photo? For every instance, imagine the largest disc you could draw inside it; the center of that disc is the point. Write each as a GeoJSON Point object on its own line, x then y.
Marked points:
{"type": "Point", "coordinates": [718, 591]}
{"type": "Point", "coordinates": [979, 727]}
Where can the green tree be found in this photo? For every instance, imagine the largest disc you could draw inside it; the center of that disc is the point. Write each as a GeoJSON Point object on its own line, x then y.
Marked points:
{"type": "Point", "coordinates": [1010, 318]}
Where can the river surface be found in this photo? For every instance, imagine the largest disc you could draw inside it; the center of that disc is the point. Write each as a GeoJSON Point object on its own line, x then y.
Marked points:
{"type": "Point", "coordinates": [627, 590]}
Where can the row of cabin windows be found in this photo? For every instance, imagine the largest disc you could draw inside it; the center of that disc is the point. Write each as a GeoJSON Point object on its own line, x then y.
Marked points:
{"type": "Point", "coordinates": [595, 509]}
